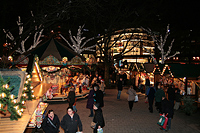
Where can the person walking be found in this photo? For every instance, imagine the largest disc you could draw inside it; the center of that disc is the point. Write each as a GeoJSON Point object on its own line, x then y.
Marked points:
{"type": "Point", "coordinates": [171, 94]}
{"type": "Point", "coordinates": [51, 123]}
{"type": "Point", "coordinates": [167, 109]}
{"type": "Point", "coordinates": [120, 87]}
{"type": "Point", "coordinates": [151, 94]}
{"type": "Point", "coordinates": [131, 97]}
{"type": "Point", "coordinates": [158, 97]}
{"type": "Point", "coordinates": [98, 96]}
{"type": "Point", "coordinates": [71, 122]}
{"type": "Point", "coordinates": [177, 98]}
{"type": "Point", "coordinates": [147, 84]}
{"type": "Point", "coordinates": [102, 86]}
{"type": "Point", "coordinates": [98, 117]}
{"type": "Point", "coordinates": [71, 97]}
{"type": "Point", "coordinates": [90, 101]}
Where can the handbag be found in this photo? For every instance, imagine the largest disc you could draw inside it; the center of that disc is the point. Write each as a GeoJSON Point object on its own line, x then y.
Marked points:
{"type": "Point", "coordinates": [165, 123]}
{"type": "Point", "coordinates": [161, 120]}
{"type": "Point", "coordinates": [93, 125]}
{"type": "Point", "coordinates": [136, 98]}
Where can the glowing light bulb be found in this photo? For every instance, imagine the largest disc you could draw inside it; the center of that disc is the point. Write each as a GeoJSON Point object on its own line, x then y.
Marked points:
{"type": "Point", "coordinates": [23, 102]}
{"type": "Point", "coordinates": [12, 96]}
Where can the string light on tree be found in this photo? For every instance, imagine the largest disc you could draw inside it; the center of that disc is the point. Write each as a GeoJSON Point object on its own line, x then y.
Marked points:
{"type": "Point", "coordinates": [77, 45]}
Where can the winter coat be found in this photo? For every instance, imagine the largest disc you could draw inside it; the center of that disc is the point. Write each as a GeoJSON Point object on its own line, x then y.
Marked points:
{"type": "Point", "coordinates": [71, 97]}
{"type": "Point", "coordinates": [90, 100]}
{"type": "Point", "coordinates": [171, 93]}
{"type": "Point", "coordinates": [98, 118]}
{"type": "Point", "coordinates": [151, 93]}
{"type": "Point", "coordinates": [167, 107]}
{"type": "Point", "coordinates": [99, 97]}
{"type": "Point", "coordinates": [71, 125]}
{"type": "Point", "coordinates": [147, 82]}
{"type": "Point", "coordinates": [102, 87]}
{"type": "Point", "coordinates": [178, 96]}
{"type": "Point", "coordinates": [47, 126]}
{"type": "Point", "coordinates": [159, 94]}
{"type": "Point", "coordinates": [120, 85]}
{"type": "Point", "coordinates": [131, 94]}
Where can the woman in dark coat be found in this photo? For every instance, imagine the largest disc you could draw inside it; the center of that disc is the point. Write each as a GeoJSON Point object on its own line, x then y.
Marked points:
{"type": "Point", "coordinates": [90, 101]}
{"type": "Point", "coordinates": [71, 97]}
{"type": "Point", "coordinates": [98, 96]}
{"type": "Point", "coordinates": [98, 117]}
{"type": "Point", "coordinates": [51, 123]}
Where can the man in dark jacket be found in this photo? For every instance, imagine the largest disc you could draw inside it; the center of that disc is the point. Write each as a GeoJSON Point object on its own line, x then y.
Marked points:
{"type": "Point", "coordinates": [120, 87]}
{"type": "Point", "coordinates": [51, 123]}
{"type": "Point", "coordinates": [98, 117]}
{"type": "Point", "coordinates": [98, 96]}
{"type": "Point", "coordinates": [167, 109]}
{"type": "Point", "coordinates": [71, 121]}
{"type": "Point", "coordinates": [151, 94]}
{"type": "Point", "coordinates": [171, 94]}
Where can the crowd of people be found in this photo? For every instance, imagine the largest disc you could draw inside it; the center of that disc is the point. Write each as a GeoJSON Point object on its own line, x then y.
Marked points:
{"type": "Point", "coordinates": [165, 103]}
{"type": "Point", "coordinates": [71, 122]}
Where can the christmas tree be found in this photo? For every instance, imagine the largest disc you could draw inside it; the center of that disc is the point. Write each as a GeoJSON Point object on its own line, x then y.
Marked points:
{"type": "Point", "coordinates": [8, 103]}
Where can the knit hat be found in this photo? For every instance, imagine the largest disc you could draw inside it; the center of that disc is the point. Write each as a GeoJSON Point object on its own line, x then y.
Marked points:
{"type": "Point", "coordinates": [102, 80]}
{"type": "Point", "coordinates": [97, 105]}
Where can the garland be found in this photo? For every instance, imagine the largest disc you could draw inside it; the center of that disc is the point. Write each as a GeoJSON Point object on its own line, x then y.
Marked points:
{"type": "Point", "coordinates": [93, 68]}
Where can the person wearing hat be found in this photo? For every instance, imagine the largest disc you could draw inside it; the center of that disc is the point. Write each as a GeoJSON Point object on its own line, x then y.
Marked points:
{"type": "Point", "coordinates": [98, 117]}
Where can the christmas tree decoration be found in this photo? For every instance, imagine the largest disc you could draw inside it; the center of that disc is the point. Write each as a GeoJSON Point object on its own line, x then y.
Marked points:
{"type": "Point", "coordinates": [27, 91]}
{"type": "Point", "coordinates": [77, 45]}
{"type": "Point", "coordinates": [8, 104]}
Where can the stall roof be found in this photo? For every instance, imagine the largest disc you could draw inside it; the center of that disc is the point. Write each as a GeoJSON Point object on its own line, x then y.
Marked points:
{"type": "Point", "coordinates": [184, 70]}
{"type": "Point", "coordinates": [55, 48]}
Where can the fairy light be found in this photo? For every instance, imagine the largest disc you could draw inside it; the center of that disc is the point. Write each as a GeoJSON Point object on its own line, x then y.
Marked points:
{"type": "Point", "coordinates": [22, 109]}
{"type": "Point", "coordinates": [33, 96]}
{"type": "Point", "coordinates": [12, 96]}
{"type": "Point", "coordinates": [24, 94]}
{"type": "Point", "coordinates": [16, 107]}
{"type": "Point", "coordinates": [31, 87]}
{"type": "Point", "coordinates": [23, 102]}
{"type": "Point", "coordinates": [28, 76]}
{"type": "Point", "coordinates": [26, 82]}
{"type": "Point", "coordinates": [25, 88]}
{"type": "Point", "coordinates": [0, 105]}
{"type": "Point", "coordinates": [32, 91]}
{"type": "Point", "coordinates": [14, 101]}
{"type": "Point", "coordinates": [3, 95]}
{"type": "Point", "coordinates": [29, 79]}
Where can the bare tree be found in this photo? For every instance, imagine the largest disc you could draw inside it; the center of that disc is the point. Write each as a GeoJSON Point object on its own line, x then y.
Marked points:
{"type": "Point", "coordinates": [160, 42]}
{"type": "Point", "coordinates": [77, 45]}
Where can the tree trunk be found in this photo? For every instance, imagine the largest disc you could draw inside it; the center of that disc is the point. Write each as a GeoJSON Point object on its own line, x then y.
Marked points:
{"type": "Point", "coordinates": [106, 72]}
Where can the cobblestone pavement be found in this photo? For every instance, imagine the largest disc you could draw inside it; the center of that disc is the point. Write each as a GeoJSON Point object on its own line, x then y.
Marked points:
{"type": "Point", "coordinates": [118, 118]}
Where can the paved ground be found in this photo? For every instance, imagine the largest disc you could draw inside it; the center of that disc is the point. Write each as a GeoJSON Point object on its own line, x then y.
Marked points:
{"type": "Point", "coordinates": [119, 119]}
